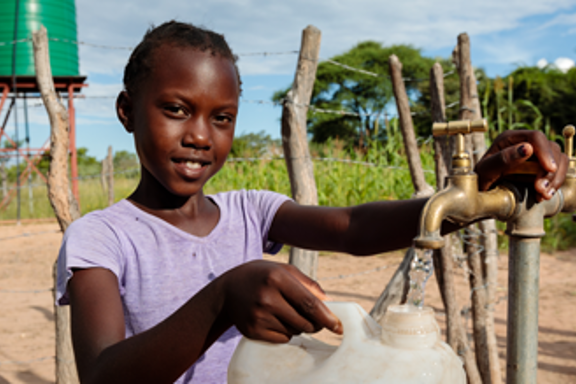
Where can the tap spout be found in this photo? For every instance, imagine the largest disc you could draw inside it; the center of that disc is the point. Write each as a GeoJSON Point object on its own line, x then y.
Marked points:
{"type": "Point", "coordinates": [462, 203]}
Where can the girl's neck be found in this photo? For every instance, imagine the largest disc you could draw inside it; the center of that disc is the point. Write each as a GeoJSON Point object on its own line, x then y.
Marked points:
{"type": "Point", "coordinates": [195, 214]}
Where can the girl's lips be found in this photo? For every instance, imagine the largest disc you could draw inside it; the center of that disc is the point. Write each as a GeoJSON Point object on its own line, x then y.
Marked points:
{"type": "Point", "coordinates": [190, 169]}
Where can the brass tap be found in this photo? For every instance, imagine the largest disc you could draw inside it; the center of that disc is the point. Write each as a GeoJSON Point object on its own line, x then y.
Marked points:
{"type": "Point", "coordinates": [461, 159]}
{"type": "Point", "coordinates": [569, 187]}
{"type": "Point", "coordinates": [461, 202]}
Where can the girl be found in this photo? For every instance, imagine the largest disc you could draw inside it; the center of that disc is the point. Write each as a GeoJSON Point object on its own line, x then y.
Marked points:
{"type": "Point", "coordinates": [162, 284]}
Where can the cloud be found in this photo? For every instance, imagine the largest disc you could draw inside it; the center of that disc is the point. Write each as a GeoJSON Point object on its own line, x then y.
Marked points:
{"type": "Point", "coordinates": [564, 64]}
{"type": "Point", "coordinates": [542, 63]}
{"type": "Point", "coordinates": [259, 25]}
{"type": "Point", "coordinates": [562, 19]}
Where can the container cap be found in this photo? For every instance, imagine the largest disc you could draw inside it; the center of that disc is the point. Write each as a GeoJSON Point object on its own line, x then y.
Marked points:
{"type": "Point", "coordinates": [408, 326]}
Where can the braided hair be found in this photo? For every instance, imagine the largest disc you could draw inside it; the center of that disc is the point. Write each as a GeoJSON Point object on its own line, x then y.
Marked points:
{"type": "Point", "coordinates": [178, 34]}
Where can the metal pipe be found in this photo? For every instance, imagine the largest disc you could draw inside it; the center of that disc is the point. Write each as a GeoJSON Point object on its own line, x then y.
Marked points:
{"type": "Point", "coordinates": [522, 332]}
{"type": "Point", "coordinates": [515, 202]}
{"type": "Point", "coordinates": [525, 230]}
{"type": "Point", "coordinates": [15, 93]}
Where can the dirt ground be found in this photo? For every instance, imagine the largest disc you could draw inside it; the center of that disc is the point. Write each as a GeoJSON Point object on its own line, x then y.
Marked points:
{"type": "Point", "coordinates": [27, 323]}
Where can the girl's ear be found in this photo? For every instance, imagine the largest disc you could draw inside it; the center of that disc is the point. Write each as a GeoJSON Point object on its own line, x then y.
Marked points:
{"type": "Point", "coordinates": [124, 110]}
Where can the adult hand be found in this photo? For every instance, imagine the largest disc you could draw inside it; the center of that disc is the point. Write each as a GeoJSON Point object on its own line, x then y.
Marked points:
{"type": "Point", "coordinates": [272, 302]}
{"type": "Point", "coordinates": [512, 148]}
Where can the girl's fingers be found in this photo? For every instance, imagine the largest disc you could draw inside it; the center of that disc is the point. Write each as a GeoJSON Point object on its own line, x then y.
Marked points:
{"type": "Point", "coordinates": [505, 160]}
{"type": "Point", "coordinates": [547, 184]}
{"type": "Point", "coordinates": [494, 166]}
{"type": "Point", "coordinates": [310, 284]}
{"type": "Point", "coordinates": [284, 323]}
{"type": "Point", "coordinates": [304, 297]}
{"type": "Point", "coordinates": [544, 150]}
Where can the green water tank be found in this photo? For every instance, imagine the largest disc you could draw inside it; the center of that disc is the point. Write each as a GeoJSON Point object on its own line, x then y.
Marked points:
{"type": "Point", "coordinates": [59, 18]}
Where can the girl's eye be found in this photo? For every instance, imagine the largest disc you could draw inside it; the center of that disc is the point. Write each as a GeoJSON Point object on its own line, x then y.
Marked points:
{"type": "Point", "coordinates": [224, 119]}
{"type": "Point", "coordinates": [175, 110]}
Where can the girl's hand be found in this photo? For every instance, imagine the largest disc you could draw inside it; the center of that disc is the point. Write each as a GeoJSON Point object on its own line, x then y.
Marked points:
{"type": "Point", "coordinates": [512, 148]}
{"type": "Point", "coordinates": [273, 302]}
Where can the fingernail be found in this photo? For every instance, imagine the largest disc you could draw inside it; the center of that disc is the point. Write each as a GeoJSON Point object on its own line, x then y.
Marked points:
{"type": "Point", "coordinates": [522, 150]}
{"type": "Point", "coordinates": [552, 191]}
{"type": "Point", "coordinates": [546, 184]}
{"type": "Point", "coordinates": [337, 328]}
{"type": "Point", "coordinates": [554, 164]}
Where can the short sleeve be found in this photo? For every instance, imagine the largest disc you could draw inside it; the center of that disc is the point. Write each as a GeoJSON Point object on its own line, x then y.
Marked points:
{"type": "Point", "coordinates": [266, 204]}
{"type": "Point", "coordinates": [89, 242]}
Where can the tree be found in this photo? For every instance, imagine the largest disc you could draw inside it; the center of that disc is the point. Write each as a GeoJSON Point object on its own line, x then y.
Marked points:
{"type": "Point", "coordinates": [531, 98]}
{"type": "Point", "coordinates": [125, 161]}
{"type": "Point", "coordinates": [87, 165]}
{"type": "Point", "coordinates": [252, 144]}
{"type": "Point", "coordinates": [364, 97]}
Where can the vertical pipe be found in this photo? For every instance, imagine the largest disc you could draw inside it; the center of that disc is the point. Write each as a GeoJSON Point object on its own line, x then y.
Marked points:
{"type": "Point", "coordinates": [73, 152]}
{"type": "Point", "coordinates": [17, 148]}
{"type": "Point", "coordinates": [27, 127]}
{"type": "Point", "coordinates": [15, 91]}
{"type": "Point", "coordinates": [522, 333]}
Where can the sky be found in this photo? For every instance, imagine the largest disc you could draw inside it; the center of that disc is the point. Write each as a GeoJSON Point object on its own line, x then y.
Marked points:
{"type": "Point", "coordinates": [503, 35]}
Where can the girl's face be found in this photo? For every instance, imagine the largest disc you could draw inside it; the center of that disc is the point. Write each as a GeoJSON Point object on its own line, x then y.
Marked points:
{"type": "Point", "coordinates": [183, 117]}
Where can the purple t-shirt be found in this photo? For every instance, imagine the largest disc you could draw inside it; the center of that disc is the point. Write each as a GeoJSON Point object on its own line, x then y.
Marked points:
{"type": "Point", "coordinates": [159, 267]}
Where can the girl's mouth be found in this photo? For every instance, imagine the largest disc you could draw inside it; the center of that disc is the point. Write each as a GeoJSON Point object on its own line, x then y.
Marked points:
{"type": "Point", "coordinates": [193, 164]}
{"type": "Point", "coordinates": [190, 168]}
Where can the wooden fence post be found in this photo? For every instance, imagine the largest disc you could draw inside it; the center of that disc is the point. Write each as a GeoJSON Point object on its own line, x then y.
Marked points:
{"type": "Point", "coordinates": [295, 139]}
{"type": "Point", "coordinates": [443, 258]}
{"type": "Point", "coordinates": [59, 193]}
{"type": "Point", "coordinates": [397, 288]}
{"type": "Point", "coordinates": [103, 173]}
{"type": "Point", "coordinates": [3, 178]}
{"type": "Point", "coordinates": [483, 260]}
{"type": "Point", "coordinates": [421, 188]}
{"type": "Point", "coordinates": [110, 176]}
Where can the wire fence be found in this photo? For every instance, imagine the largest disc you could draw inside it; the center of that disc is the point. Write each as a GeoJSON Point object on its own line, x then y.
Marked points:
{"type": "Point", "coordinates": [135, 171]}
{"type": "Point", "coordinates": [460, 258]}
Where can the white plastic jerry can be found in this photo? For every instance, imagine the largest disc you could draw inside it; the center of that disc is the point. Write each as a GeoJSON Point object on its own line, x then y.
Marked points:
{"type": "Point", "coordinates": [407, 349]}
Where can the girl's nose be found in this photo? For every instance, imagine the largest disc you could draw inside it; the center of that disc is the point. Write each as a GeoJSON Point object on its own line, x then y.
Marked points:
{"type": "Point", "coordinates": [197, 134]}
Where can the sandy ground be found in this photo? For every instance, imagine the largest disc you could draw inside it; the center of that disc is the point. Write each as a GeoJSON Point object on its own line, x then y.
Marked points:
{"type": "Point", "coordinates": [27, 323]}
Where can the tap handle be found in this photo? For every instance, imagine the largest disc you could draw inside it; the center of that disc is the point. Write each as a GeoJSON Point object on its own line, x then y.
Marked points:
{"type": "Point", "coordinates": [461, 160]}
{"type": "Point", "coordinates": [459, 127]}
{"type": "Point", "coordinates": [568, 133]}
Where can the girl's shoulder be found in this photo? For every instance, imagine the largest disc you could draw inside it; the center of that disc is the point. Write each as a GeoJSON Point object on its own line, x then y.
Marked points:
{"type": "Point", "coordinates": [110, 223]}
{"type": "Point", "coordinates": [243, 198]}
{"type": "Point", "coordinates": [115, 215]}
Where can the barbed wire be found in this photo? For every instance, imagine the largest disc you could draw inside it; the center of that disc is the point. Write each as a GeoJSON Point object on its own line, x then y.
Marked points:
{"type": "Point", "coordinates": [130, 48]}
{"type": "Point", "coordinates": [311, 107]}
{"type": "Point", "coordinates": [76, 42]}
{"type": "Point", "coordinates": [424, 140]}
{"type": "Point", "coordinates": [245, 54]}
{"type": "Point", "coordinates": [268, 53]}
{"type": "Point", "coordinates": [363, 71]}
{"type": "Point", "coordinates": [373, 74]}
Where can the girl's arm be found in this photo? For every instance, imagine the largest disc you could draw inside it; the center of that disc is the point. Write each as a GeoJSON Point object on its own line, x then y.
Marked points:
{"type": "Point", "coordinates": [365, 229]}
{"type": "Point", "coordinates": [266, 301]}
{"type": "Point", "coordinates": [383, 226]}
